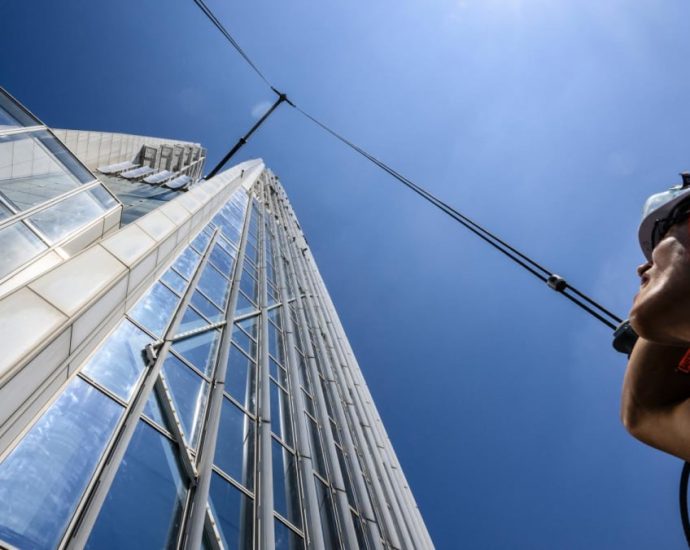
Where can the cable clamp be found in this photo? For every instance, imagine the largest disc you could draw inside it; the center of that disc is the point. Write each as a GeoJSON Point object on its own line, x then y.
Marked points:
{"type": "Point", "coordinates": [557, 283]}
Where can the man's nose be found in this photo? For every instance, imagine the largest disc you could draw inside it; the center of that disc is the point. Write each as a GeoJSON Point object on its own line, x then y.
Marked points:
{"type": "Point", "coordinates": [642, 268]}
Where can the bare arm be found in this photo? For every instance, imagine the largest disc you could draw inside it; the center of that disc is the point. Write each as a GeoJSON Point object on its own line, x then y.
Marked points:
{"type": "Point", "coordinates": [655, 405]}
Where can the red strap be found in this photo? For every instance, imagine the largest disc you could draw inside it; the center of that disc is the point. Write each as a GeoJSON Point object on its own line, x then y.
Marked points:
{"type": "Point", "coordinates": [684, 363]}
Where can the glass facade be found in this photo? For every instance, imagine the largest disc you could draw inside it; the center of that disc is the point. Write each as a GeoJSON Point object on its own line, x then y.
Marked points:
{"type": "Point", "coordinates": [224, 409]}
{"type": "Point", "coordinates": [47, 196]}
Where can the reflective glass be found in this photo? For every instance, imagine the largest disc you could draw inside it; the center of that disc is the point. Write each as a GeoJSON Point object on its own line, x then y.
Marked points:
{"type": "Point", "coordinates": [250, 326]}
{"type": "Point", "coordinates": [190, 321]}
{"type": "Point", "coordinates": [199, 350]}
{"type": "Point", "coordinates": [155, 309]}
{"type": "Point", "coordinates": [200, 242]}
{"type": "Point", "coordinates": [43, 478]}
{"type": "Point", "coordinates": [361, 540]}
{"type": "Point", "coordinates": [275, 316]}
{"type": "Point", "coordinates": [105, 198]}
{"type": "Point", "coordinates": [174, 281]}
{"type": "Point", "coordinates": [285, 489]}
{"type": "Point", "coordinates": [214, 285]}
{"type": "Point", "coordinates": [286, 538]}
{"type": "Point", "coordinates": [243, 306]}
{"type": "Point", "coordinates": [239, 379]}
{"type": "Point", "coordinates": [36, 167]}
{"type": "Point", "coordinates": [315, 445]}
{"type": "Point", "coordinates": [143, 509]}
{"type": "Point", "coordinates": [249, 286]}
{"type": "Point", "coordinates": [346, 477]}
{"type": "Point", "coordinates": [68, 215]}
{"type": "Point", "coordinates": [11, 114]}
{"type": "Point", "coordinates": [18, 245]}
{"type": "Point", "coordinates": [234, 514]}
{"type": "Point", "coordinates": [221, 260]}
{"type": "Point", "coordinates": [227, 246]}
{"type": "Point", "coordinates": [186, 263]}
{"type": "Point", "coordinates": [154, 411]}
{"type": "Point", "coordinates": [328, 526]}
{"type": "Point", "coordinates": [275, 343]}
{"type": "Point", "coordinates": [244, 341]}
{"type": "Point", "coordinates": [206, 307]}
{"type": "Point", "coordinates": [280, 413]}
{"type": "Point", "coordinates": [189, 394]}
{"type": "Point", "coordinates": [251, 253]}
{"type": "Point", "coordinates": [235, 446]}
{"type": "Point", "coordinates": [118, 364]}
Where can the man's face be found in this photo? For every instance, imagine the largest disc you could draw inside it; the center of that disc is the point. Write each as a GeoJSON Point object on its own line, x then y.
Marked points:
{"type": "Point", "coordinates": [661, 309]}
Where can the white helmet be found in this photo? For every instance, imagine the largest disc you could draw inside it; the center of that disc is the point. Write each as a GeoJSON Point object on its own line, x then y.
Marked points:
{"type": "Point", "coordinates": [661, 211]}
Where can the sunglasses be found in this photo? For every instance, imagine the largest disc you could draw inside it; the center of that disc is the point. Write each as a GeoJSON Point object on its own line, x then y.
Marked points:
{"type": "Point", "coordinates": [680, 213]}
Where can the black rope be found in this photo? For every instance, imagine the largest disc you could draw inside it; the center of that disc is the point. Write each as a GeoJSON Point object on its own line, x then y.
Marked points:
{"type": "Point", "coordinates": [499, 244]}
{"type": "Point", "coordinates": [207, 11]}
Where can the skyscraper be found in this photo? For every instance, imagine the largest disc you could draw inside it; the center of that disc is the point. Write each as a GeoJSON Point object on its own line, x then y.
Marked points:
{"type": "Point", "coordinates": [174, 373]}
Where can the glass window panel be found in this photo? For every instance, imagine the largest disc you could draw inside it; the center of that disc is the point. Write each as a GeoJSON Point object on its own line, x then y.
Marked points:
{"type": "Point", "coordinates": [36, 167]}
{"type": "Point", "coordinates": [285, 489]}
{"type": "Point", "coordinates": [250, 326]}
{"type": "Point", "coordinates": [186, 263]}
{"type": "Point", "coordinates": [174, 281]}
{"type": "Point", "coordinates": [43, 478]}
{"type": "Point", "coordinates": [286, 538]}
{"type": "Point", "coordinates": [251, 253]}
{"type": "Point", "coordinates": [200, 242]}
{"type": "Point", "coordinates": [280, 413]}
{"type": "Point", "coordinates": [189, 394]}
{"type": "Point", "coordinates": [273, 368]}
{"type": "Point", "coordinates": [191, 320]}
{"type": "Point", "coordinates": [249, 286]}
{"type": "Point", "coordinates": [275, 343]}
{"type": "Point", "coordinates": [221, 260]}
{"type": "Point", "coordinates": [103, 197]}
{"type": "Point", "coordinates": [328, 525]}
{"type": "Point", "coordinates": [244, 341]}
{"type": "Point", "coordinates": [119, 363]}
{"type": "Point", "coordinates": [227, 246]}
{"type": "Point", "coordinates": [67, 216]}
{"type": "Point", "coordinates": [275, 316]}
{"type": "Point", "coordinates": [239, 379]}
{"type": "Point", "coordinates": [346, 477]}
{"type": "Point", "coordinates": [243, 306]}
{"type": "Point", "coordinates": [19, 245]}
{"type": "Point", "coordinates": [11, 114]}
{"type": "Point", "coordinates": [155, 309]}
{"type": "Point", "coordinates": [233, 512]}
{"type": "Point", "coordinates": [206, 307]}
{"type": "Point", "coordinates": [235, 446]}
{"type": "Point", "coordinates": [214, 285]}
{"type": "Point", "coordinates": [317, 459]}
{"type": "Point", "coordinates": [361, 540]}
{"type": "Point", "coordinates": [143, 508]}
{"type": "Point", "coordinates": [199, 350]}
{"type": "Point", "coordinates": [154, 411]}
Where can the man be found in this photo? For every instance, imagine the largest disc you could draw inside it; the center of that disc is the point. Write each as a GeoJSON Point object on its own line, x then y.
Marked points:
{"type": "Point", "coordinates": [656, 391]}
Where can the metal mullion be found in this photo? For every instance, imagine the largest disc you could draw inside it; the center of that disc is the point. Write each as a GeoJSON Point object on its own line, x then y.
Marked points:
{"type": "Point", "coordinates": [394, 497]}
{"type": "Point", "coordinates": [347, 528]}
{"type": "Point", "coordinates": [197, 511]}
{"type": "Point", "coordinates": [313, 537]}
{"type": "Point", "coordinates": [265, 479]}
{"type": "Point", "coordinates": [175, 423]}
{"type": "Point", "coordinates": [22, 130]}
{"type": "Point", "coordinates": [243, 408]}
{"type": "Point", "coordinates": [89, 508]}
{"type": "Point", "coordinates": [22, 214]}
{"type": "Point", "coordinates": [300, 284]}
{"type": "Point", "coordinates": [103, 389]}
{"type": "Point", "coordinates": [289, 524]}
{"type": "Point", "coordinates": [398, 482]}
{"type": "Point", "coordinates": [232, 481]}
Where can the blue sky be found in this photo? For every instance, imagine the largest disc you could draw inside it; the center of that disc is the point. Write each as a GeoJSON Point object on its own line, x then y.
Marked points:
{"type": "Point", "coordinates": [549, 122]}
